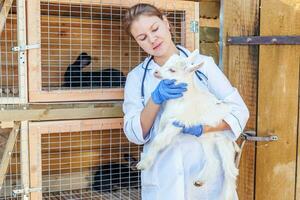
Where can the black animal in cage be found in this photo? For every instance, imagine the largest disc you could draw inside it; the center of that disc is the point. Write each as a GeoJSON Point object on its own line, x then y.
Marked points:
{"type": "Point", "coordinates": [75, 77]}
{"type": "Point", "coordinates": [114, 176]}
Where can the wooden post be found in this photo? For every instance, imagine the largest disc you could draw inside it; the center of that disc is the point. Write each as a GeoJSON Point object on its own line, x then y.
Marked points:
{"type": "Point", "coordinates": [240, 65]}
{"type": "Point", "coordinates": [278, 101]}
{"type": "Point", "coordinates": [22, 55]}
{"type": "Point", "coordinates": [24, 155]}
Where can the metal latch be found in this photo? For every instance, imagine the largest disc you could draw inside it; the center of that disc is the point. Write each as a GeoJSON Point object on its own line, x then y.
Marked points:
{"type": "Point", "coordinates": [26, 47]}
{"type": "Point", "coordinates": [264, 40]}
{"type": "Point", "coordinates": [25, 191]}
{"type": "Point", "coordinates": [250, 136]}
{"type": "Point", "coordinates": [194, 27]}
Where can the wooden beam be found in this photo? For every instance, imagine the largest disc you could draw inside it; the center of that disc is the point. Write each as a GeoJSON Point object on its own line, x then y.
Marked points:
{"type": "Point", "coordinates": [4, 13]}
{"type": "Point", "coordinates": [278, 101]}
{"type": "Point", "coordinates": [240, 65]}
{"type": "Point", "coordinates": [210, 22]}
{"type": "Point", "coordinates": [7, 152]}
{"type": "Point", "coordinates": [60, 112]}
{"type": "Point", "coordinates": [210, 9]}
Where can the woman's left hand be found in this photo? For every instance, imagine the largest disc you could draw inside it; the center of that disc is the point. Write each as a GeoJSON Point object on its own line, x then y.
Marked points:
{"type": "Point", "coordinates": [195, 130]}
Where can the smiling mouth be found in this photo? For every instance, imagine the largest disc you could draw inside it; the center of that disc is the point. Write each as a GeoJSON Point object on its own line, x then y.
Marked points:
{"type": "Point", "coordinates": [157, 46]}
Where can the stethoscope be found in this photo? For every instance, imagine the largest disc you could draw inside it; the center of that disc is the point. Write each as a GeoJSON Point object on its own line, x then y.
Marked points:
{"type": "Point", "coordinates": [199, 74]}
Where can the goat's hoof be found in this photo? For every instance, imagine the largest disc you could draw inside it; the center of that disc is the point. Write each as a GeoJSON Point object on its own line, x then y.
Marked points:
{"type": "Point", "coordinates": [141, 166]}
{"type": "Point", "coordinates": [198, 183]}
{"type": "Point", "coordinates": [144, 164]}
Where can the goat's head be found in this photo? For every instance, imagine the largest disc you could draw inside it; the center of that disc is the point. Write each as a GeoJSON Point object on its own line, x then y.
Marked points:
{"type": "Point", "coordinates": [179, 68]}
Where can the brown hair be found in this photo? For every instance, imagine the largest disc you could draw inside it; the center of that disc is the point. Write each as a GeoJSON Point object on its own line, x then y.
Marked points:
{"type": "Point", "coordinates": [137, 10]}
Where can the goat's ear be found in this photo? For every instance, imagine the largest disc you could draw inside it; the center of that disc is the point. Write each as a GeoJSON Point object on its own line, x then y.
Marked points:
{"type": "Point", "coordinates": [194, 67]}
{"type": "Point", "coordinates": [192, 57]}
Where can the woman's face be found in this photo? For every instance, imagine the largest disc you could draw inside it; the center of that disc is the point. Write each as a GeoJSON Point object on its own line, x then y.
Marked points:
{"type": "Point", "coordinates": [152, 34]}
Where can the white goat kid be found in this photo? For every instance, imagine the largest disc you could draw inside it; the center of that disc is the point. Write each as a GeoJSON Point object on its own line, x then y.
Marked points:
{"type": "Point", "coordinates": [197, 106]}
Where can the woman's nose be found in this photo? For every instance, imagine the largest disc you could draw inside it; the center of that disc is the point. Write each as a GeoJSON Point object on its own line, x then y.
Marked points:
{"type": "Point", "coordinates": [152, 38]}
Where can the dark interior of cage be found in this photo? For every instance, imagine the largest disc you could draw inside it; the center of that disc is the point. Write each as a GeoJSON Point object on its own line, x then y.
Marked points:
{"type": "Point", "coordinates": [81, 165]}
{"type": "Point", "coordinates": [9, 79]}
{"type": "Point", "coordinates": [85, 46]}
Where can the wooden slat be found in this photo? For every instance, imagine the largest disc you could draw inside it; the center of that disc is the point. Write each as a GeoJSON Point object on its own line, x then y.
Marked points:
{"type": "Point", "coordinates": [240, 65]}
{"type": "Point", "coordinates": [210, 49]}
{"type": "Point", "coordinates": [60, 113]}
{"type": "Point", "coordinates": [278, 100]}
{"type": "Point", "coordinates": [298, 157]}
{"type": "Point", "coordinates": [35, 162]}
{"type": "Point", "coordinates": [209, 9]}
{"type": "Point", "coordinates": [4, 13]}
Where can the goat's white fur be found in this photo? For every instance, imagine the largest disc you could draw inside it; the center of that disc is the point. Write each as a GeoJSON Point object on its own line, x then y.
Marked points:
{"type": "Point", "coordinates": [197, 106]}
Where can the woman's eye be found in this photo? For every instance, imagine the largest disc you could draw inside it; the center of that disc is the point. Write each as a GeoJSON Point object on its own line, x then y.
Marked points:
{"type": "Point", "coordinates": [143, 38]}
{"type": "Point", "coordinates": [154, 30]}
{"type": "Point", "coordinates": [172, 70]}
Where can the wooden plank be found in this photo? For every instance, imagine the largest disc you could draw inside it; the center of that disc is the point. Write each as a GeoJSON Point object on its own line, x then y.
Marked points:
{"type": "Point", "coordinates": [210, 49]}
{"type": "Point", "coordinates": [22, 56]}
{"type": "Point", "coordinates": [298, 159]}
{"type": "Point", "coordinates": [209, 34]}
{"type": "Point", "coordinates": [4, 13]}
{"type": "Point", "coordinates": [34, 55]}
{"type": "Point", "coordinates": [209, 22]}
{"type": "Point", "coordinates": [240, 65]}
{"type": "Point", "coordinates": [278, 97]}
{"type": "Point", "coordinates": [24, 155]}
{"type": "Point", "coordinates": [7, 152]}
{"type": "Point", "coordinates": [210, 9]}
{"type": "Point", "coordinates": [35, 161]}
{"type": "Point", "coordinates": [76, 125]}
{"type": "Point", "coordinates": [60, 113]}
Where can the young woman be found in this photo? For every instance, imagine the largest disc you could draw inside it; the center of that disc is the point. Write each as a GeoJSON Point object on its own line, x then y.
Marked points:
{"type": "Point", "coordinates": [172, 175]}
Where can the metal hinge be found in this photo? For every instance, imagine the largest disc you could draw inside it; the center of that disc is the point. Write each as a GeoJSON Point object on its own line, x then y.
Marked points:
{"type": "Point", "coordinates": [26, 47]}
{"type": "Point", "coordinates": [263, 40]}
{"type": "Point", "coordinates": [194, 27]}
{"type": "Point", "coordinates": [25, 191]}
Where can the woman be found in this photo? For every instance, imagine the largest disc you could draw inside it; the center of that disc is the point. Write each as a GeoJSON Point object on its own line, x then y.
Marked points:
{"type": "Point", "coordinates": [171, 176]}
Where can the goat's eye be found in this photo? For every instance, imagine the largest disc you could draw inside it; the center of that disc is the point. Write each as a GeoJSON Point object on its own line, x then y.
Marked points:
{"type": "Point", "coordinates": [172, 70]}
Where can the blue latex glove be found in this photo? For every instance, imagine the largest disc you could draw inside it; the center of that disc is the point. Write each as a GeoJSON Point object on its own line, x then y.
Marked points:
{"type": "Point", "coordinates": [195, 130]}
{"type": "Point", "coordinates": [166, 90]}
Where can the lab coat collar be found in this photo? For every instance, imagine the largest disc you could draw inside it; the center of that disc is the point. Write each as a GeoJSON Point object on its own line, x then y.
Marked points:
{"type": "Point", "coordinates": [153, 65]}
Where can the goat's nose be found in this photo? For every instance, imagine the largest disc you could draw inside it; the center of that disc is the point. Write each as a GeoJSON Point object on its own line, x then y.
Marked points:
{"type": "Point", "coordinates": [156, 74]}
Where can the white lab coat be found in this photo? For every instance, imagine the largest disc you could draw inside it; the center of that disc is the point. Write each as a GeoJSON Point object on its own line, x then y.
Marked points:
{"type": "Point", "coordinates": [172, 174]}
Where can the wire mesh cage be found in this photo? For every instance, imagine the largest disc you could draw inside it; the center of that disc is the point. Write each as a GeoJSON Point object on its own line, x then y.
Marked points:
{"type": "Point", "coordinates": [84, 49]}
{"type": "Point", "coordinates": [83, 159]}
{"type": "Point", "coordinates": [10, 80]}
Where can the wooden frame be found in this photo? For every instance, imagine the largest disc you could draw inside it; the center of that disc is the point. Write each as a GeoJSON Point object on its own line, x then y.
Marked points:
{"type": "Point", "coordinates": [36, 129]}
{"type": "Point", "coordinates": [36, 94]}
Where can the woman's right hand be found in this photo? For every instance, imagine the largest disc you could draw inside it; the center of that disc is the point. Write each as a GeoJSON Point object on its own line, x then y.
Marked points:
{"type": "Point", "coordinates": [167, 89]}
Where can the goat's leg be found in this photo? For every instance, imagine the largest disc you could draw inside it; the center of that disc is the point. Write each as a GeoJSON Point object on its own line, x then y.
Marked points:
{"type": "Point", "coordinates": [160, 141]}
{"type": "Point", "coordinates": [210, 167]}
